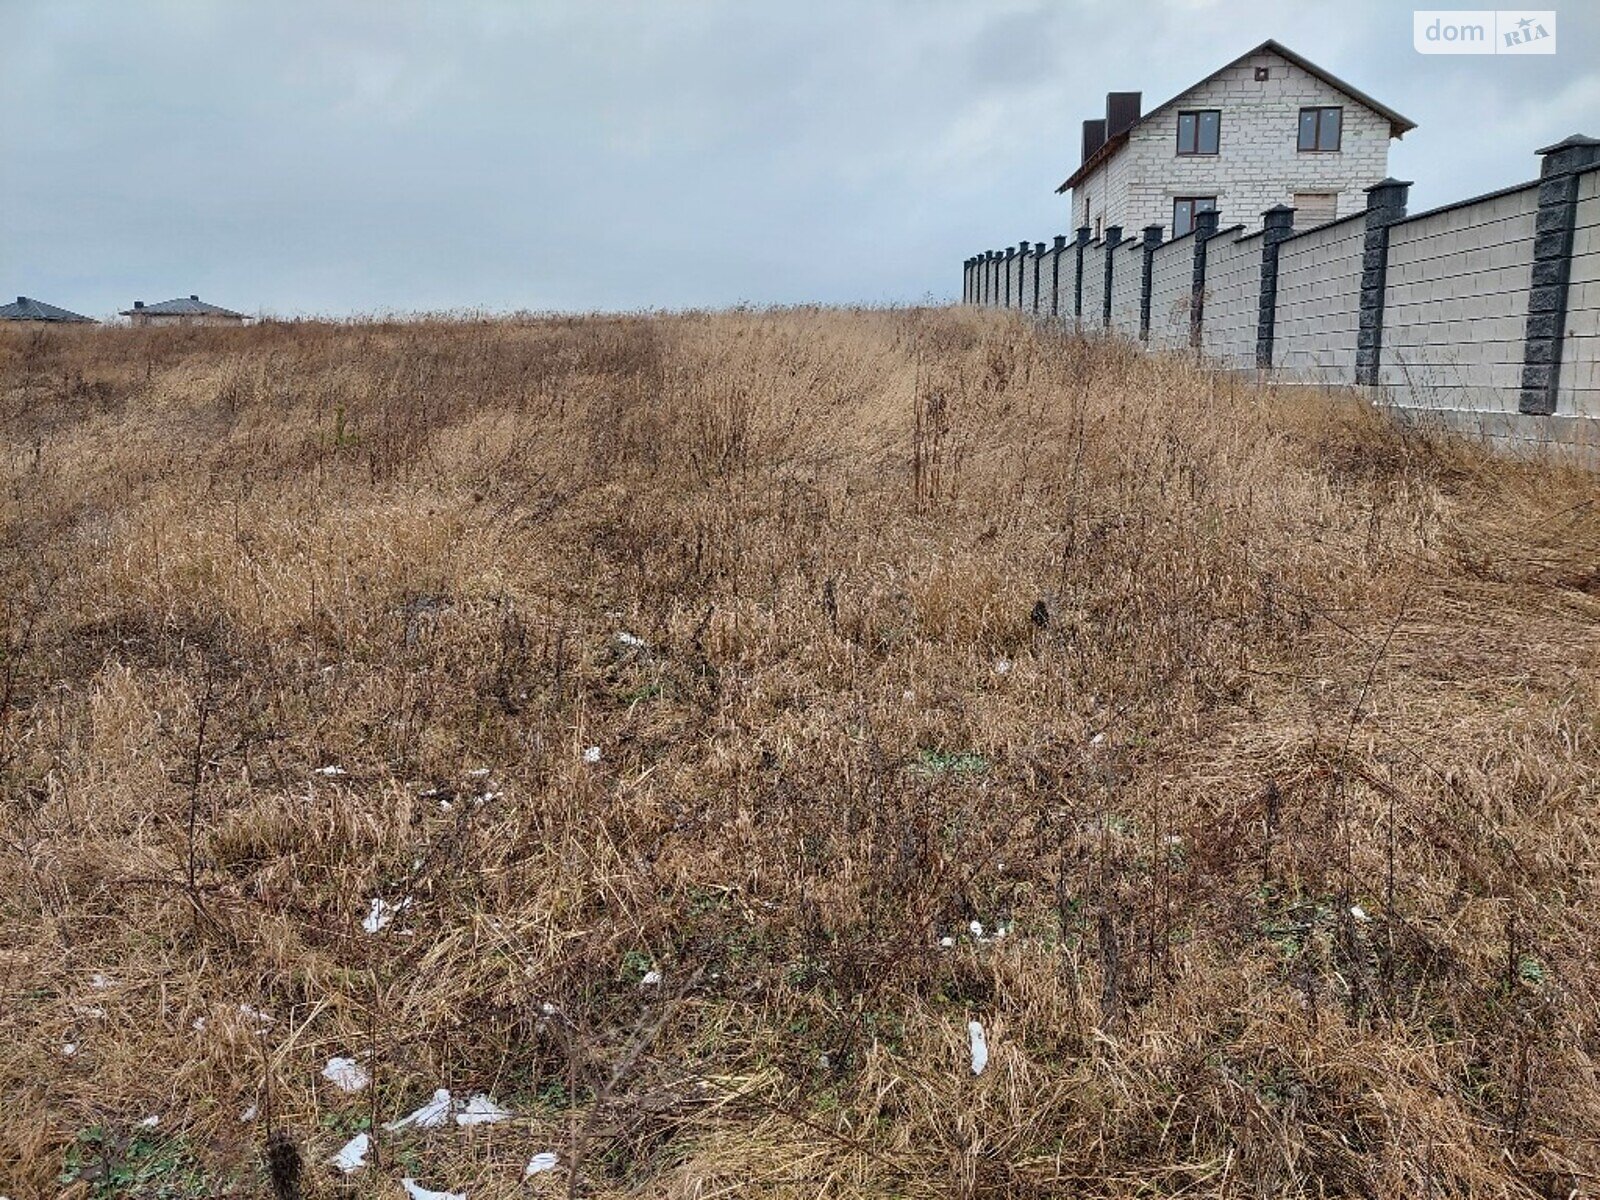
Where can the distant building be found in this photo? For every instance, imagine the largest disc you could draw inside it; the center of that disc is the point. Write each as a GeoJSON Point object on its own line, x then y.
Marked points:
{"type": "Point", "coordinates": [1269, 128]}
{"type": "Point", "coordinates": [37, 310]}
{"type": "Point", "coordinates": [191, 311]}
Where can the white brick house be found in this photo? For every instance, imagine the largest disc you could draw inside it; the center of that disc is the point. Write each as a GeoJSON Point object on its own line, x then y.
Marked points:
{"type": "Point", "coordinates": [1269, 128]}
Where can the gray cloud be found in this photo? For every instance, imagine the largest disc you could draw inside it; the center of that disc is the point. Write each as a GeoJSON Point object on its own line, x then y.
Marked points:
{"type": "Point", "coordinates": [302, 157]}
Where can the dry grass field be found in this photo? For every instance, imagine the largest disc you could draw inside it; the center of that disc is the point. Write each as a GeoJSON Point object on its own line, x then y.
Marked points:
{"type": "Point", "coordinates": [727, 711]}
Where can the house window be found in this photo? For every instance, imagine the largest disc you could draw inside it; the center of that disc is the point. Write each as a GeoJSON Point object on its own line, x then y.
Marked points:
{"type": "Point", "coordinates": [1198, 132]}
{"type": "Point", "coordinates": [1097, 221]}
{"type": "Point", "coordinates": [1319, 128]}
{"type": "Point", "coordinates": [1184, 209]}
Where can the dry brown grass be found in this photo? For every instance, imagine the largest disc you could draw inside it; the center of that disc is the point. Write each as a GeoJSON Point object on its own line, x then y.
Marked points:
{"type": "Point", "coordinates": [943, 620]}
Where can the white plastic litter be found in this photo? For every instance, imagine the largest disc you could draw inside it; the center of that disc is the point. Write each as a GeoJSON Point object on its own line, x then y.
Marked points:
{"type": "Point", "coordinates": [255, 1014]}
{"type": "Point", "coordinates": [980, 1047]}
{"type": "Point", "coordinates": [651, 977]}
{"type": "Point", "coordinates": [68, 1049]}
{"type": "Point", "coordinates": [352, 1155]}
{"type": "Point", "coordinates": [592, 754]}
{"type": "Point", "coordinates": [629, 640]}
{"type": "Point", "coordinates": [976, 929]}
{"type": "Point", "coordinates": [430, 1116]}
{"type": "Point", "coordinates": [346, 1074]}
{"type": "Point", "coordinates": [1002, 666]}
{"type": "Point", "coordinates": [382, 912]}
{"type": "Point", "coordinates": [331, 772]}
{"type": "Point", "coordinates": [478, 773]}
{"type": "Point", "coordinates": [544, 1161]}
{"type": "Point", "coordinates": [481, 1110]}
{"type": "Point", "coordinates": [1359, 913]}
{"type": "Point", "coordinates": [198, 1024]}
{"type": "Point", "coordinates": [151, 1121]}
{"type": "Point", "coordinates": [417, 1192]}
{"type": "Point", "coordinates": [947, 942]}
{"type": "Point", "coordinates": [250, 1113]}
{"type": "Point", "coordinates": [100, 981]}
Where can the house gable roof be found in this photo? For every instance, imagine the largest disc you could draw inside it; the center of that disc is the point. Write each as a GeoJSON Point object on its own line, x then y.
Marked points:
{"type": "Point", "coordinates": [187, 306]}
{"type": "Point", "coordinates": [28, 309]}
{"type": "Point", "coordinates": [1398, 125]}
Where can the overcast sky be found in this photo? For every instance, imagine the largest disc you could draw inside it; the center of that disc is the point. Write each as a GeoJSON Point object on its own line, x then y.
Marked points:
{"type": "Point", "coordinates": [344, 156]}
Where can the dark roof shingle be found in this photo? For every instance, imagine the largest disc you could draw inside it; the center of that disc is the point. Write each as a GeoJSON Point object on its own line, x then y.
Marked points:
{"type": "Point", "coordinates": [26, 309]}
{"type": "Point", "coordinates": [186, 306]}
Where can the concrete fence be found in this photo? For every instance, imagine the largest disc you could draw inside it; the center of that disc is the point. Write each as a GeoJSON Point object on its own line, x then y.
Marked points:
{"type": "Point", "coordinates": [1484, 314]}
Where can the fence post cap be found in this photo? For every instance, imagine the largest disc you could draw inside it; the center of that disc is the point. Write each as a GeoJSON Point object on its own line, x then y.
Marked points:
{"type": "Point", "coordinates": [1570, 154]}
{"type": "Point", "coordinates": [1575, 139]}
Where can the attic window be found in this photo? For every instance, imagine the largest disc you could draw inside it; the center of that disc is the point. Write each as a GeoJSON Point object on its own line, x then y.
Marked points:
{"type": "Point", "coordinates": [1263, 74]}
{"type": "Point", "coordinates": [1320, 128]}
{"type": "Point", "coordinates": [1199, 132]}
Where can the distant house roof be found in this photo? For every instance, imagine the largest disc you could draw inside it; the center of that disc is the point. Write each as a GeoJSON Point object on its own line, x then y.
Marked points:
{"type": "Point", "coordinates": [1398, 125]}
{"type": "Point", "coordinates": [190, 306]}
{"type": "Point", "coordinates": [37, 310]}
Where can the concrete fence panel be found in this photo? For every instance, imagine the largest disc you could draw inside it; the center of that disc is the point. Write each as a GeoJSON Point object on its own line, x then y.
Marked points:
{"type": "Point", "coordinates": [1319, 302]}
{"type": "Point", "coordinates": [1094, 283]}
{"type": "Point", "coordinates": [1579, 391]}
{"type": "Point", "coordinates": [1233, 287]}
{"type": "Point", "coordinates": [1127, 281]}
{"type": "Point", "coordinates": [1455, 304]}
{"type": "Point", "coordinates": [1171, 280]}
{"type": "Point", "coordinates": [1058, 279]}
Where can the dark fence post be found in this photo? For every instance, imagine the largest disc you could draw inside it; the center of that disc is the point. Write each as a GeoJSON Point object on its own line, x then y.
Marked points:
{"type": "Point", "coordinates": [1011, 253]}
{"type": "Point", "coordinates": [1113, 240]}
{"type": "Point", "coordinates": [1205, 225]}
{"type": "Point", "coordinates": [1038, 267]}
{"type": "Point", "coordinates": [1077, 282]}
{"type": "Point", "coordinates": [1152, 239]}
{"type": "Point", "coordinates": [1277, 226]}
{"type": "Point", "coordinates": [1552, 270]}
{"type": "Point", "coordinates": [1386, 204]}
{"type": "Point", "coordinates": [1060, 241]}
{"type": "Point", "coordinates": [1022, 275]}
